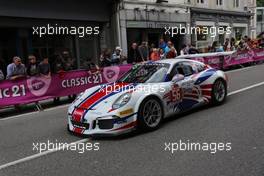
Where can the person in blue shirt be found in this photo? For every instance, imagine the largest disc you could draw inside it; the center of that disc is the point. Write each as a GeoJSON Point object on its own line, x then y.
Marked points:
{"type": "Point", "coordinates": [16, 69]}
{"type": "Point", "coordinates": [168, 47]}
{"type": "Point", "coordinates": [162, 44]}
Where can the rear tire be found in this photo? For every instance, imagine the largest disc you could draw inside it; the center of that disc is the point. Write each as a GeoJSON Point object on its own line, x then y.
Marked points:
{"type": "Point", "coordinates": [219, 92]}
{"type": "Point", "coordinates": [150, 114]}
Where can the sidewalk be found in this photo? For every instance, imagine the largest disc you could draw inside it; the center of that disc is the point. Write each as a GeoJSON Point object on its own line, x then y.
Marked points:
{"type": "Point", "coordinates": [45, 104]}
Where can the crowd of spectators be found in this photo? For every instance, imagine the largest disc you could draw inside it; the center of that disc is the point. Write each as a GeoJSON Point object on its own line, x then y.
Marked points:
{"type": "Point", "coordinates": [143, 52]}
{"type": "Point", "coordinates": [36, 67]}
{"type": "Point", "coordinates": [17, 69]}
{"type": "Point", "coordinates": [61, 62]}
{"type": "Point", "coordinates": [231, 44]}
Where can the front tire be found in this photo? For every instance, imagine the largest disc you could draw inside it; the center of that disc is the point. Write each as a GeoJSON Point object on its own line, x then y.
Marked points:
{"type": "Point", "coordinates": [150, 114]}
{"type": "Point", "coordinates": [219, 92]}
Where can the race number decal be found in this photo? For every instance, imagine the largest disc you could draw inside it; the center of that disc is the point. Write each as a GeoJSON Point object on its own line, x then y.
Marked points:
{"type": "Point", "coordinates": [176, 93]}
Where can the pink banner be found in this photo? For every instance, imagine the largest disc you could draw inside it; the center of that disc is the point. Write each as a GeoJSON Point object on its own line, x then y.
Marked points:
{"type": "Point", "coordinates": [240, 57]}
{"type": "Point", "coordinates": [213, 61]}
{"type": "Point", "coordinates": [224, 61]}
{"type": "Point", "coordinates": [259, 54]}
{"type": "Point", "coordinates": [39, 88]}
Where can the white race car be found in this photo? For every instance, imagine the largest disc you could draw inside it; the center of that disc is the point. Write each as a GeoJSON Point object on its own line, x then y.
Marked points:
{"type": "Point", "coordinates": [145, 95]}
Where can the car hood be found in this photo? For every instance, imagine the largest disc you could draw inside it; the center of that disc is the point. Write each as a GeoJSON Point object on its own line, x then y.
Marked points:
{"type": "Point", "coordinates": [101, 98]}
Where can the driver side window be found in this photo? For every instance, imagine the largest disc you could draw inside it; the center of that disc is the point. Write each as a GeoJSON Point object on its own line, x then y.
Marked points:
{"type": "Point", "coordinates": [183, 68]}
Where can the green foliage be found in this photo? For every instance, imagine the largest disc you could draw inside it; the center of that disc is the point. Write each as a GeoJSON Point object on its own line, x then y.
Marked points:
{"type": "Point", "coordinates": [260, 3]}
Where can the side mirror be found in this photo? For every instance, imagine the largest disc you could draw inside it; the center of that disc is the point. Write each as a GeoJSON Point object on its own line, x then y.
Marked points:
{"type": "Point", "coordinates": [177, 78]}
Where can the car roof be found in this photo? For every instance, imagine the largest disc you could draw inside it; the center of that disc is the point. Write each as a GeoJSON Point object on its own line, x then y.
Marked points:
{"type": "Point", "coordinates": [174, 61]}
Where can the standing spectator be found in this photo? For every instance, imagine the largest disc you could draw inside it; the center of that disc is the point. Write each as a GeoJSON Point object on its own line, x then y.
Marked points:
{"type": "Point", "coordinates": [241, 45]}
{"type": "Point", "coordinates": [16, 69]}
{"type": "Point", "coordinates": [233, 44]}
{"type": "Point", "coordinates": [117, 56]}
{"type": "Point", "coordinates": [68, 61]}
{"type": "Point", "coordinates": [162, 44]}
{"type": "Point", "coordinates": [155, 55]}
{"type": "Point", "coordinates": [144, 51]}
{"type": "Point", "coordinates": [162, 54]}
{"type": "Point", "coordinates": [213, 47]}
{"type": "Point", "coordinates": [133, 54]}
{"type": "Point", "coordinates": [192, 49]}
{"type": "Point", "coordinates": [44, 68]}
{"type": "Point", "coordinates": [57, 66]}
{"type": "Point", "coordinates": [2, 77]}
{"type": "Point", "coordinates": [168, 47]}
{"type": "Point", "coordinates": [32, 68]}
{"type": "Point", "coordinates": [152, 47]}
{"type": "Point", "coordinates": [227, 45]}
{"type": "Point", "coordinates": [172, 53]}
{"type": "Point", "coordinates": [105, 58]}
{"type": "Point", "coordinates": [261, 41]}
{"type": "Point", "coordinates": [92, 67]}
{"type": "Point", "coordinates": [220, 49]}
{"type": "Point", "coordinates": [250, 44]}
{"type": "Point", "coordinates": [184, 50]}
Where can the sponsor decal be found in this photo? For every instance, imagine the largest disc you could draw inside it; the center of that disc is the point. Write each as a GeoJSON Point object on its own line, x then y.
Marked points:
{"type": "Point", "coordinates": [126, 112]}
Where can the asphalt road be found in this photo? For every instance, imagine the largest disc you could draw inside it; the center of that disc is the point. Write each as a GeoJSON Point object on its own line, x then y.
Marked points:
{"type": "Point", "coordinates": [239, 121]}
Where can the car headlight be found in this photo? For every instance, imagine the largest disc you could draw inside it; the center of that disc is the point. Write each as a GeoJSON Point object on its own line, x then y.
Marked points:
{"type": "Point", "coordinates": [121, 101]}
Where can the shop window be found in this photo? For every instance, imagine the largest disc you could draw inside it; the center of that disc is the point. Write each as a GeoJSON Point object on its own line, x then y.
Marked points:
{"type": "Point", "coordinates": [239, 32]}
{"type": "Point", "coordinates": [259, 15]}
{"type": "Point", "coordinates": [200, 1]}
{"type": "Point", "coordinates": [202, 34]}
{"type": "Point", "coordinates": [219, 2]}
{"type": "Point", "coordinates": [236, 3]}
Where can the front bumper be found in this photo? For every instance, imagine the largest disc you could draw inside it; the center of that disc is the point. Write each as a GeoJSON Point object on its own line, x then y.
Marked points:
{"type": "Point", "coordinates": [109, 125]}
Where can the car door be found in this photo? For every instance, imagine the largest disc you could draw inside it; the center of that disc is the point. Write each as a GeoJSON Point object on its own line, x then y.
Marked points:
{"type": "Point", "coordinates": [186, 93]}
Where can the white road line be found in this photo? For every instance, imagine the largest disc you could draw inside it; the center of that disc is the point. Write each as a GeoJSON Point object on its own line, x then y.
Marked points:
{"type": "Point", "coordinates": [246, 88]}
{"type": "Point", "coordinates": [41, 154]}
{"type": "Point", "coordinates": [36, 112]}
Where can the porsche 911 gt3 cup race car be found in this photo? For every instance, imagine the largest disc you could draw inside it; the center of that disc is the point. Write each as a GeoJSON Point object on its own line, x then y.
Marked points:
{"type": "Point", "coordinates": [145, 95]}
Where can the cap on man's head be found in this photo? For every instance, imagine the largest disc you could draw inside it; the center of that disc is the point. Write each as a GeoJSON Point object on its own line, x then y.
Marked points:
{"type": "Point", "coordinates": [119, 48]}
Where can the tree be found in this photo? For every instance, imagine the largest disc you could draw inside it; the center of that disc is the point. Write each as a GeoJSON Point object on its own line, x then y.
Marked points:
{"type": "Point", "coordinates": [260, 3]}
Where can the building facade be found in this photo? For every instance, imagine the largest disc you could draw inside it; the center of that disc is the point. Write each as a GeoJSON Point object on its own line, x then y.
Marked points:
{"type": "Point", "coordinates": [145, 20]}
{"type": "Point", "coordinates": [17, 22]}
{"type": "Point", "coordinates": [237, 14]}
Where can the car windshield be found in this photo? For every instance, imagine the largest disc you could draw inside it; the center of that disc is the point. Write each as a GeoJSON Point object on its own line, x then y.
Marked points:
{"type": "Point", "coordinates": [146, 73]}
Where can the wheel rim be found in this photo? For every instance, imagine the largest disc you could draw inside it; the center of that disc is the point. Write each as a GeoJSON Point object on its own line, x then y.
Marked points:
{"type": "Point", "coordinates": [219, 91]}
{"type": "Point", "coordinates": [152, 113]}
